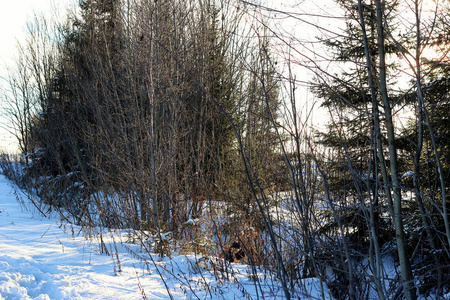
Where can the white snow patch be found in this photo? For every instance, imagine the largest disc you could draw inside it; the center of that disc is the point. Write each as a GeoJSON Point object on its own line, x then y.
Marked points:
{"type": "Point", "coordinates": [39, 260]}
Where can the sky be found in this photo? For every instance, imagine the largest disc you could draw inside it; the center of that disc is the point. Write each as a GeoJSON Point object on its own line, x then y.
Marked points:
{"type": "Point", "coordinates": [13, 26]}
{"type": "Point", "coordinates": [13, 21]}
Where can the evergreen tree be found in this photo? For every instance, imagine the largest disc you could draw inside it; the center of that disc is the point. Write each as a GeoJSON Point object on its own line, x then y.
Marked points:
{"type": "Point", "coordinates": [362, 172]}
{"type": "Point", "coordinates": [353, 168]}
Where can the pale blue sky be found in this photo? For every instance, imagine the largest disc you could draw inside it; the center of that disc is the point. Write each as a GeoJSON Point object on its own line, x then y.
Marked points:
{"type": "Point", "coordinates": [13, 24]}
{"type": "Point", "coordinates": [13, 19]}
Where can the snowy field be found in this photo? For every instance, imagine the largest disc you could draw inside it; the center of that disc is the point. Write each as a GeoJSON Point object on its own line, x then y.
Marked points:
{"type": "Point", "coordinates": [41, 259]}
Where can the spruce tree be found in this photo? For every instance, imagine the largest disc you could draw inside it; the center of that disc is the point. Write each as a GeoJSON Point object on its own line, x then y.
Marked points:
{"type": "Point", "coordinates": [363, 167]}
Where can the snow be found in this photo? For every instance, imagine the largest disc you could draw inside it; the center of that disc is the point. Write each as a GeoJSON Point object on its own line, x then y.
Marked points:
{"type": "Point", "coordinates": [43, 258]}
{"type": "Point", "coordinates": [191, 222]}
{"type": "Point", "coordinates": [408, 174]}
{"type": "Point", "coordinates": [38, 260]}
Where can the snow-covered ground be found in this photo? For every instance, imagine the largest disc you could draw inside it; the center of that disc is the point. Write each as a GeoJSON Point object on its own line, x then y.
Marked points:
{"type": "Point", "coordinates": [40, 258]}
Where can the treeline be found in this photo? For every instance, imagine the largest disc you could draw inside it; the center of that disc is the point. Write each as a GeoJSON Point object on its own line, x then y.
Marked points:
{"type": "Point", "coordinates": [178, 116]}
{"type": "Point", "coordinates": [136, 103]}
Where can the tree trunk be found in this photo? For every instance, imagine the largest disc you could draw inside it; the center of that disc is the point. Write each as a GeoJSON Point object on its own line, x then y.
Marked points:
{"type": "Point", "coordinates": [405, 265]}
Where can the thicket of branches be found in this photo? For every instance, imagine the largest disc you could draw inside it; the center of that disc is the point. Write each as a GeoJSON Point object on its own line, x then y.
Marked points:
{"type": "Point", "coordinates": [182, 117]}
